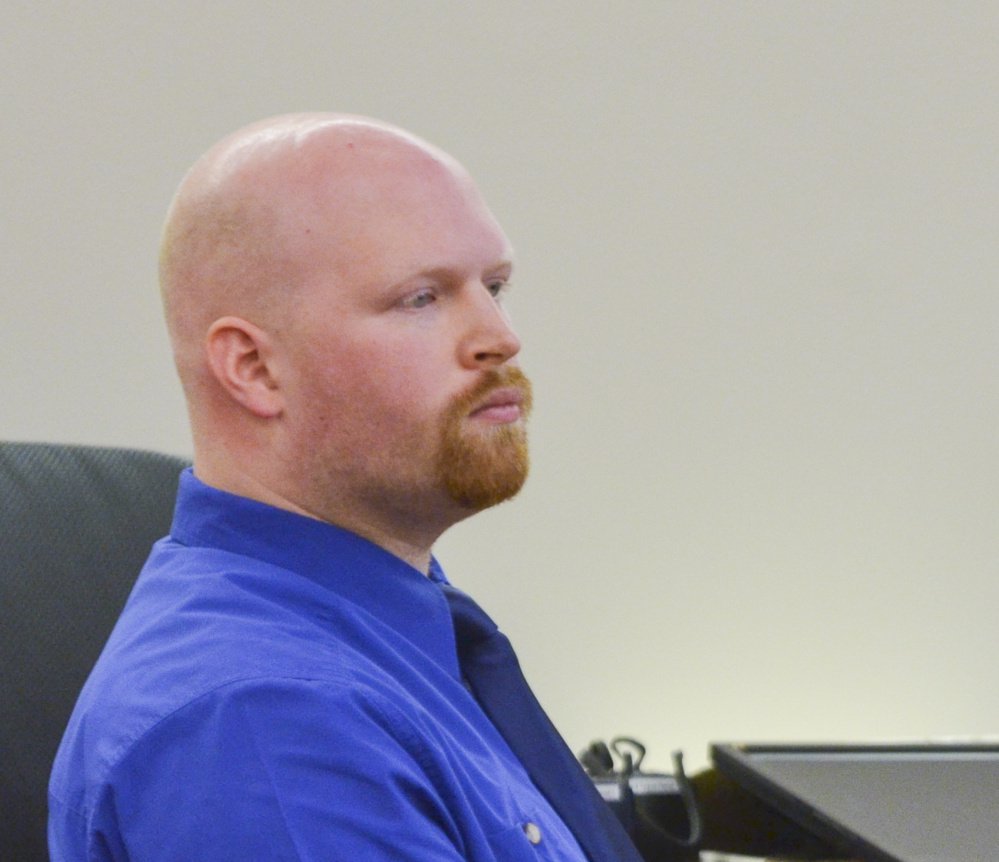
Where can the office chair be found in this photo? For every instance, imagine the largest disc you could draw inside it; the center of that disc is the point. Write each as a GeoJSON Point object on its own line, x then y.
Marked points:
{"type": "Point", "coordinates": [76, 524]}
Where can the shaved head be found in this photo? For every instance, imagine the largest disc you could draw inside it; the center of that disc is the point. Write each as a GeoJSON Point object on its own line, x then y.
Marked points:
{"type": "Point", "coordinates": [233, 239]}
{"type": "Point", "coordinates": [333, 291]}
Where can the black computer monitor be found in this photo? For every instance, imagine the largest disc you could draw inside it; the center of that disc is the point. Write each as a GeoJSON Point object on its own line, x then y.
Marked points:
{"type": "Point", "coordinates": [880, 803]}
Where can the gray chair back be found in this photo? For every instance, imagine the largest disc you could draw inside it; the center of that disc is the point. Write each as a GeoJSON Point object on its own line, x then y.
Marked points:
{"type": "Point", "coordinates": [76, 524]}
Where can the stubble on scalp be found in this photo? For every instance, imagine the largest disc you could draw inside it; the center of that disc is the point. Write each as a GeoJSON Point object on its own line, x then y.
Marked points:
{"type": "Point", "coordinates": [483, 468]}
{"type": "Point", "coordinates": [222, 255]}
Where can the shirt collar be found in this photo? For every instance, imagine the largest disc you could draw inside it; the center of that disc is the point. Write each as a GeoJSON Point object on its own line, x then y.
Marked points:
{"type": "Point", "coordinates": [349, 566]}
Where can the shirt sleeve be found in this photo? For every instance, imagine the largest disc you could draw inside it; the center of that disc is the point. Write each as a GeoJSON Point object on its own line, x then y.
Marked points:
{"type": "Point", "coordinates": [278, 770]}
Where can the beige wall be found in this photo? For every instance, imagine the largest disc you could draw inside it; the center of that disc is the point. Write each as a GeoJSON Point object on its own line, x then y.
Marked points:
{"type": "Point", "coordinates": [758, 286]}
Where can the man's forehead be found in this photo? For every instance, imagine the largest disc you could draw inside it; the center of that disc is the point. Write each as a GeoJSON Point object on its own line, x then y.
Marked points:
{"type": "Point", "coordinates": [361, 195]}
{"type": "Point", "coordinates": [349, 173]}
{"type": "Point", "coordinates": [342, 190]}
{"type": "Point", "coordinates": [383, 251]}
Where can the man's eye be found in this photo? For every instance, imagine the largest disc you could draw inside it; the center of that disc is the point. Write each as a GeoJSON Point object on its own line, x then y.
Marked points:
{"type": "Point", "coordinates": [497, 288]}
{"type": "Point", "coordinates": [421, 299]}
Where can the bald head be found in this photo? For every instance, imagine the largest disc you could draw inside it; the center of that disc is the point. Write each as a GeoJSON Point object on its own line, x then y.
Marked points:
{"type": "Point", "coordinates": [236, 240]}
{"type": "Point", "coordinates": [332, 287]}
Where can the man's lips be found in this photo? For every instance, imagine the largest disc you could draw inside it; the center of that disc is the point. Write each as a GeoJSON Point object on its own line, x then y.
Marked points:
{"type": "Point", "coordinates": [502, 405]}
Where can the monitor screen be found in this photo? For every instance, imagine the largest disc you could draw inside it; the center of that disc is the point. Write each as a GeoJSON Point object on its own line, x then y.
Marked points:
{"type": "Point", "coordinates": [902, 803]}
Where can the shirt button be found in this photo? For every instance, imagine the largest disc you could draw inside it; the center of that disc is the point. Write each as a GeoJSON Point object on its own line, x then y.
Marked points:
{"type": "Point", "coordinates": [532, 832]}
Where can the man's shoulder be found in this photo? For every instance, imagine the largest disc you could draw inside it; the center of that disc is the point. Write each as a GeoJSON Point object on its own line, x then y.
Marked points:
{"type": "Point", "coordinates": [205, 634]}
{"type": "Point", "coordinates": [199, 618]}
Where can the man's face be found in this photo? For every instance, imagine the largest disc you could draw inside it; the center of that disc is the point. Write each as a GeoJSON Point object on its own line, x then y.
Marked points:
{"type": "Point", "coordinates": [403, 395]}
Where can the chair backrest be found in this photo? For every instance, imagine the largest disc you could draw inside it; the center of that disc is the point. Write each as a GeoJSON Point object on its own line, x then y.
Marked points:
{"type": "Point", "coordinates": [76, 524]}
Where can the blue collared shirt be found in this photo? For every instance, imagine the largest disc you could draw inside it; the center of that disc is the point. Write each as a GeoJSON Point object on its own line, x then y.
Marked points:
{"type": "Point", "coordinates": [278, 688]}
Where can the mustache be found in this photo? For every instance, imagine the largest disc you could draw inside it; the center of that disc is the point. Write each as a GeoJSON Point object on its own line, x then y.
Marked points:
{"type": "Point", "coordinates": [492, 379]}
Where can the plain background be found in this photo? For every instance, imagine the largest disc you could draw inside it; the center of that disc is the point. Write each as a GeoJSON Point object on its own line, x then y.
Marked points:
{"type": "Point", "coordinates": [757, 283]}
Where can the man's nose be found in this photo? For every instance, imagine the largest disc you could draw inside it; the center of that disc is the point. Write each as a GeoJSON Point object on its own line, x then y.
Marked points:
{"type": "Point", "coordinates": [489, 337]}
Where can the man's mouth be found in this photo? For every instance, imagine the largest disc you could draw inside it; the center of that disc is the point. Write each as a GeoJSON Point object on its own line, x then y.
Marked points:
{"type": "Point", "coordinates": [500, 407]}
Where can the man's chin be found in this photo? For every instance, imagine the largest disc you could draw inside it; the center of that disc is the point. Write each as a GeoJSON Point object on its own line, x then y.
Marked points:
{"type": "Point", "coordinates": [476, 497]}
{"type": "Point", "coordinates": [482, 461]}
{"type": "Point", "coordinates": [478, 474]}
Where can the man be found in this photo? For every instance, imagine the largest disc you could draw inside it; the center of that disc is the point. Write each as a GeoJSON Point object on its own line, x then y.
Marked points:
{"type": "Point", "coordinates": [284, 682]}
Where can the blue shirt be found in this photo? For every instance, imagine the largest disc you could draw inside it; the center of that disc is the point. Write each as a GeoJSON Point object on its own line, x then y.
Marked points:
{"type": "Point", "coordinates": [278, 688]}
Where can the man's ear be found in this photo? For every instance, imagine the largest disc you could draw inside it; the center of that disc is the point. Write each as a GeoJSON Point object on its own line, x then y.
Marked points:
{"type": "Point", "coordinates": [241, 358]}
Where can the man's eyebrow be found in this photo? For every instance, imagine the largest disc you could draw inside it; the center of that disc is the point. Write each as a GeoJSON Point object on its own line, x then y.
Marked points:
{"type": "Point", "coordinates": [503, 267]}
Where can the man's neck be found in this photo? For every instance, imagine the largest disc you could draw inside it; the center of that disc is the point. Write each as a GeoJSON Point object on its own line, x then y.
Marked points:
{"type": "Point", "coordinates": [412, 546]}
